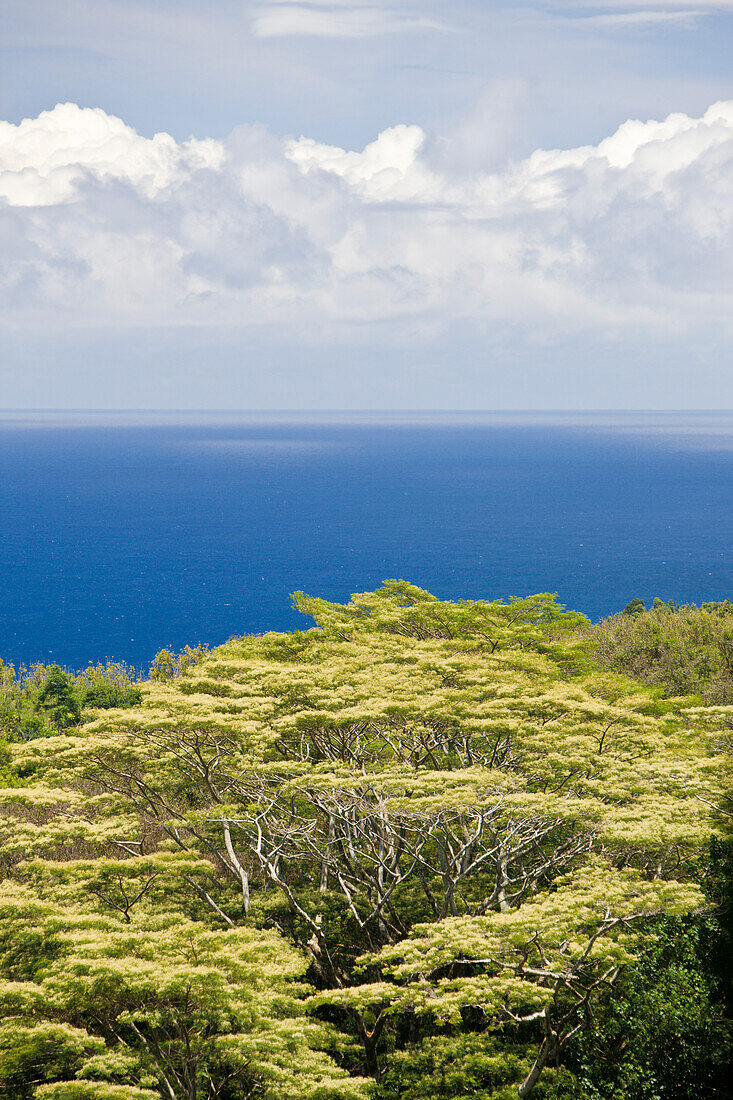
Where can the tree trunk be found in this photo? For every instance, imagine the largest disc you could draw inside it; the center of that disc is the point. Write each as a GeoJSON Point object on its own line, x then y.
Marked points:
{"type": "Point", "coordinates": [545, 1053]}
{"type": "Point", "coordinates": [370, 1040]}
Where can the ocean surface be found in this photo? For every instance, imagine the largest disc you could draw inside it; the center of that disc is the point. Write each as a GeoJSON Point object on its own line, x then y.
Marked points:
{"type": "Point", "coordinates": [121, 533]}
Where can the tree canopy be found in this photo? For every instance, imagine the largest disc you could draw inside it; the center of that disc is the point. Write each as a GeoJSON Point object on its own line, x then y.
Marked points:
{"type": "Point", "coordinates": [420, 838]}
{"type": "Point", "coordinates": [683, 649]}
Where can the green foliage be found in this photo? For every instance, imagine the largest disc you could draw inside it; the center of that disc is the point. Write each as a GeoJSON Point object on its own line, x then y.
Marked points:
{"type": "Point", "coordinates": [685, 650]}
{"type": "Point", "coordinates": [662, 1035]}
{"type": "Point", "coordinates": [167, 664]}
{"type": "Point", "coordinates": [206, 687]}
{"type": "Point", "coordinates": [110, 696]}
{"type": "Point", "coordinates": [108, 686]}
{"type": "Point", "coordinates": [717, 880]}
{"type": "Point", "coordinates": [455, 1063]}
{"type": "Point", "coordinates": [8, 775]}
{"type": "Point", "coordinates": [37, 700]}
{"type": "Point", "coordinates": [34, 1053]}
{"type": "Point", "coordinates": [164, 666]}
{"type": "Point", "coordinates": [425, 843]}
{"type": "Point", "coordinates": [165, 1003]}
{"type": "Point", "coordinates": [57, 700]}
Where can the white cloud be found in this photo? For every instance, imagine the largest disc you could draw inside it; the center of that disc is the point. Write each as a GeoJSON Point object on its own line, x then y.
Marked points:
{"type": "Point", "coordinates": [637, 14]}
{"type": "Point", "coordinates": [42, 159]}
{"type": "Point", "coordinates": [102, 226]}
{"type": "Point", "coordinates": [388, 168]}
{"type": "Point", "coordinates": [659, 5]}
{"type": "Point", "coordinates": [649, 17]}
{"type": "Point", "coordinates": [346, 19]}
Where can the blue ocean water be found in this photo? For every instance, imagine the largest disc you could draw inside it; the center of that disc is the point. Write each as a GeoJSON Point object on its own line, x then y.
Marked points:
{"type": "Point", "coordinates": [124, 532]}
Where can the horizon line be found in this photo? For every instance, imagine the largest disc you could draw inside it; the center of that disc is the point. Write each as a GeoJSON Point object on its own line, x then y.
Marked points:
{"type": "Point", "coordinates": [361, 412]}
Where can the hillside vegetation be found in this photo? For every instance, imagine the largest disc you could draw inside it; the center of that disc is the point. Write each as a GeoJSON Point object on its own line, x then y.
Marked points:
{"type": "Point", "coordinates": [424, 849]}
{"type": "Point", "coordinates": [682, 649]}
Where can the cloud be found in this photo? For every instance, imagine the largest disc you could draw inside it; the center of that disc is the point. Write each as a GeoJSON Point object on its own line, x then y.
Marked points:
{"type": "Point", "coordinates": [660, 5]}
{"type": "Point", "coordinates": [644, 17]}
{"type": "Point", "coordinates": [100, 226]}
{"type": "Point", "coordinates": [386, 169]}
{"type": "Point", "coordinates": [43, 159]}
{"type": "Point", "coordinates": [352, 19]}
{"type": "Point", "coordinates": [638, 13]}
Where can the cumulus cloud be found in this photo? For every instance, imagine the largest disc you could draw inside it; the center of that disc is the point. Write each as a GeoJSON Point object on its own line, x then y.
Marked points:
{"type": "Point", "coordinates": [43, 158]}
{"type": "Point", "coordinates": [102, 226]}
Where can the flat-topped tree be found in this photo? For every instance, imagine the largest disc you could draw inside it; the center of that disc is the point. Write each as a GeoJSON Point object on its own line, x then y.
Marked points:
{"type": "Point", "coordinates": [542, 963]}
{"type": "Point", "coordinates": [157, 1000]}
{"type": "Point", "coordinates": [411, 764]}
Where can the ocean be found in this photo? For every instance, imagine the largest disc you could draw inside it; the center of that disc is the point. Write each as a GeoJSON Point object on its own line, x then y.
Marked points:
{"type": "Point", "coordinates": [121, 533]}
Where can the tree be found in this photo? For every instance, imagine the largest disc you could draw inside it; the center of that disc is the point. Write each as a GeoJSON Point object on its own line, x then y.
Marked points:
{"type": "Point", "coordinates": [156, 1001]}
{"type": "Point", "coordinates": [458, 822]}
{"type": "Point", "coordinates": [682, 650]}
{"type": "Point", "coordinates": [57, 700]}
{"type": "Point", "coordinates": [662, 1034]}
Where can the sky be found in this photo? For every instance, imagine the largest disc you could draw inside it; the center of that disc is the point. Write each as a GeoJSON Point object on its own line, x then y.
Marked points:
{"type": "Point", "coordinates": [366, 204]}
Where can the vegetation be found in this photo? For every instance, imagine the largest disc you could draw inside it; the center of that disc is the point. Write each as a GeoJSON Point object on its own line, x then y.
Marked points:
{"type": "Point", "coordinates": [684, 649]}
{"type": "Point", "coordinates": [42, 699]}
{"type": "Point", "coordinates": [667, 1033]}
{"type": "Point", "coordinates": [422, 850]}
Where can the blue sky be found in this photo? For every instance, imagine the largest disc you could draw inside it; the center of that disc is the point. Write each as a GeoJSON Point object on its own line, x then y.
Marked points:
{"type": "Point", "coordinates": [290, 256]}
{"type": "Point", "coordinates": [190, 67]}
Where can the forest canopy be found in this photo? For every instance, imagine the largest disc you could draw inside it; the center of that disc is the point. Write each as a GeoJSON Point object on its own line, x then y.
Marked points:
{"type": "Point", "coordinates": [421, 849]}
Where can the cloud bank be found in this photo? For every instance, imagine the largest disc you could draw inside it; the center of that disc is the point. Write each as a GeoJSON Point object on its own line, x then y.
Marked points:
{"type": "Point", "coordinates": [101, 226]}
